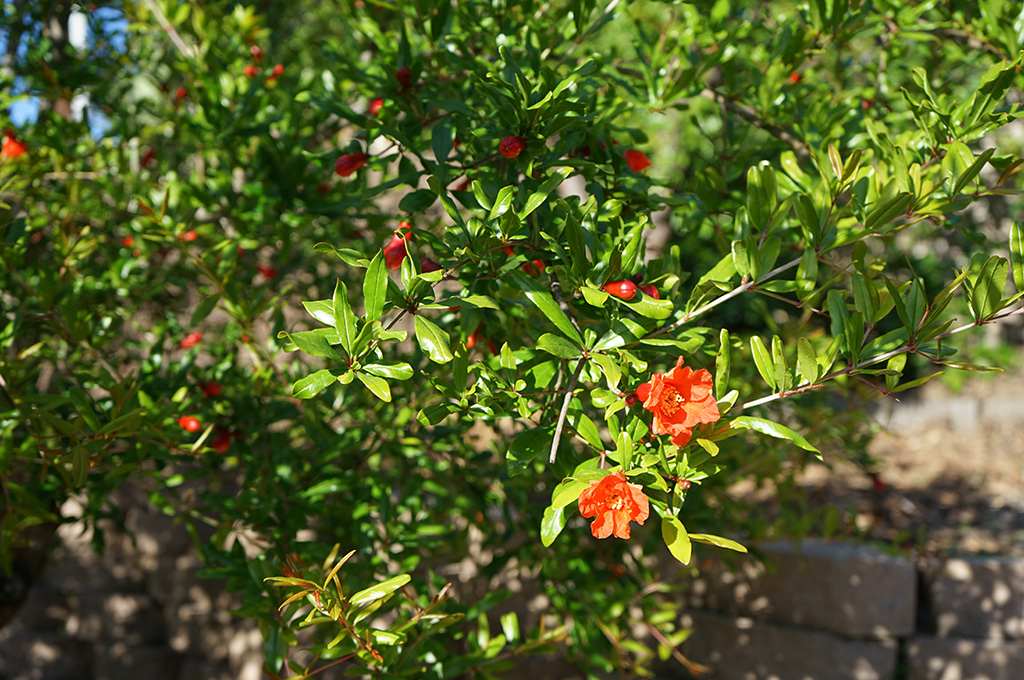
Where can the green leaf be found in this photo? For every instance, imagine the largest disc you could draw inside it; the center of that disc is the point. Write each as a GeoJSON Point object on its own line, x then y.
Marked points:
{"type": "Point", "coordinates": [378, 386]}
{"type": "Point", "coordinates": [1017, 254]}
{"type": "Point", "coordinates": [557, 345]}
{"type": "Point", "coordinates": [321, 310]}
{"type": "Point", "coordinates": [375, 287]}
{"type": "Point", "coordinates": [610, 367]}
{"type": "Point", "coordinates": [763, 361]}
{"type": "Point", "coordinates": [545, 302]}
{"type": "Point", "coordinates": [399, 371]}
{"type": "Point", "coordinates": [417, 201]}
{"type": "Point", "coordinates": [434, 414]}
{"type": "Point", "coordinates": [478, 301]}
{"type": "Point", "coordinates": [203, 309]}
{"type": "Point", "coordinates": [567, 491]}
{"type": "Point", "coordinates": [79, 466]}
{"type": "Point", "coordinates": [988, 288]}
{"type": "Point", "coordinates": [718, 541]}
{"type": "Point", "coordinates": [773, 429]}
{"type": "Point", "coordinates": [344, 319]}
{"type": "Point", "coordinates": [538, 197]}
{"type": "Point", "coordinates": [315, 342]}
{"type": "Point", "coordinates": [379, 591]}
{"type": "Point", "coordinates": [886, 210]}
{"type": "Point", "coordinates": [722, 364]}
{"type": "Point", "coordinates": [676, 538]}
{"type": "Point", "coordinates": [649, 307]}
{"type": "Point", "coordinates": [781, 370]}
{"type": "Point", "coordinates": [433, 341]}
{"type": "Point", "coordinates": [525, 447]}
{"type": "Point", "coordinates": [83, 407]}
{"type": "Point", "coordinates": [807, 361]}
{"type": "Point", "coordinates": [313, 384]}
{"type": "Point", "coordinates": [551, 525]}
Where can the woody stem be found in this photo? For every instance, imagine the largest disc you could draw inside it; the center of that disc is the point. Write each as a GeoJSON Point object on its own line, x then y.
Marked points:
{"type": "Point", "coordinates": [565, 409]}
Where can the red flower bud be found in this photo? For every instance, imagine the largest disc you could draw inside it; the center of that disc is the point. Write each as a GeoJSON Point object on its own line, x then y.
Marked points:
{"type": "Point", "coordinates": [256, 52]}
{"type": "Point", "coordinates": [428, 265]}
{"type": "Point", "coordinates": [404, 77]}
{"type": "Point", "coordinates": [636, 160]}
{"type": "Point", "coordinates": [189, 236]}
{"type": "Point", "coordinates": [471, 340]}
{"type": "Point", "coordinates": [189, 423]}
{"type": "Point", "coordinates": [650, 291]}
{"type": "Point", "coordinates": [621, 289]}
{"type": "Point", "coordinates": [278, 69]}
{"type": "Point", "coordinates": [794, 77]}
{"type": "Point", "coordinates": [181, 93]}
{"type": "Point", "coordinates": [128, 241]}
{"type": "Point", "coordinates": [376, 105]}
{"type": "Point", "coordinates": [250, 71]}
{"type": "Point", "coordinates": [268, 272]}
{"type": "Point", "coordinates": [221, 441]}
{"type": "Point", "coordinates": [210, 389]}
{"type": "Point", "coordinates": [396, 251]}
{"type": "Point", "coordinates": [512, 146]}
{"type": "Point", "coordinates": [349, 163]}
{"type": "Point", "coordinates": [631, 399]}
{"type": "Point", "coordinates": [191, 340]}
{"type": "Point", "coordinates": [532, 268]}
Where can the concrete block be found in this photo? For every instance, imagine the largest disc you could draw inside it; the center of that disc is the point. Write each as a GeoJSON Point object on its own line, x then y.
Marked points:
{"type": "Point", "coordinates": [976, 597]}
{"type": "Point", "coordinates": [931, 658]}
{"type": "Point", "coordinates": [33, 656]}
{"type": "Point", "coordinates": [743, 649]}
{"type": "Point", "coordinates": [130, 662]}
{"type": "Point", "coordinates": [852, 590]}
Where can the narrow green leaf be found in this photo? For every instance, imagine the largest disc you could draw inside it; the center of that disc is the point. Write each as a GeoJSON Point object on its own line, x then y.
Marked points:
{"type": "Point", "coordinates": [399, 371]}
{"type": "Point", "coordinates": [676, 539]}
{"type": "Point", "coordinates": [538, 197]}
{"type": "Point", "coordinates": [375, 287]}
{"type": "Point", "coordinates": [718, 541]}
{"type": "Point", "coordinates": [773, 429]}
{"type": "Point", "coordinates": [379, 591]}
{"type": "Point", "coordinates": [887, 210]}
{"type": "Point", "coordinates": [557, 345]}
{"type": "Point", "coordinates": [568, 491]}
{"type": "Point", "coordinates": [551, 525]}
{"type": "Point", "coordinates": [781, 371]}
{"type": "Point", "coordinates": [763, 361]}
{"type": "Point", "coordinates": [313, 384]}
{"type": "Point", "coordinates": [1017, 254]}
{"type": "Point", "coordinates": [525, 447]}
{"type": "Point", "coordinates": [722, 364]}
{"type": "Point", "coordinates": [379, 386]}
{"type": "Point", "coordinates": [432, 340]}
{"type": "Point", "coordinates": [545, 302]}
{"type": "Point", "coordinates": [344, 318]}
{"type": "Point", "coordinates": [321, 310]}
{"type": "Point", "coordinates": [203, 309]}
{"type": "Point", "coordinates": [807, 361]}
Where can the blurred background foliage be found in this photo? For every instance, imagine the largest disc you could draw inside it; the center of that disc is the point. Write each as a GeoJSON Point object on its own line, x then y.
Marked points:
{"type": "Point", "coordinates": [175, 182]}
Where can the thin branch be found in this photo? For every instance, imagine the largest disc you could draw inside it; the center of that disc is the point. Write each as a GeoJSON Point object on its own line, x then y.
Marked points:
{"type": "Point", "coordinates": [870, 362]}
{"type": "Point", "coordinates": [565, 409]}
{"type": "Point", "coordinates": [751, 116]}
{"type": "Point", "coordinates": [738, 290]}
{"type": "Point", "coordinates": [172, 32]}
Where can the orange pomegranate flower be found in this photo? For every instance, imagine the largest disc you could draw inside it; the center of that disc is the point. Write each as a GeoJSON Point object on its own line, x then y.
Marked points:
{"type": "Point", "coordinates": [679, 400]}
{"type": "Point", "coordinates": [614, 503]}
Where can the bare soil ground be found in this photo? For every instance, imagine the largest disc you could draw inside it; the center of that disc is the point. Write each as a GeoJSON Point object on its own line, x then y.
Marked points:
{"type": "Point", "coordinates": [951, 479]}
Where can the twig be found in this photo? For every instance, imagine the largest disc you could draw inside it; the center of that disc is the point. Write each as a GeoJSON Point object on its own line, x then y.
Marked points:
{"type": "Point", "coordinates": [750, 115]}
{"type": "Point", "coordinates": [172, 32]}
{"type": "Point", "coordinates": [565, 409]}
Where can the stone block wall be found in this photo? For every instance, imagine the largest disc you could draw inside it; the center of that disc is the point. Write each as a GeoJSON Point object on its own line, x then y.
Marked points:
{"type": "Point", "coordinates": [842, 611]}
